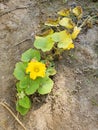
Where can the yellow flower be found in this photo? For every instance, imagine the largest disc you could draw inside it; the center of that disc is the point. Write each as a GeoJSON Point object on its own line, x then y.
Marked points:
{"type": "Point", "coordinates": [76, 31]}
{"type": "Point", "coordinates": [36, 69]}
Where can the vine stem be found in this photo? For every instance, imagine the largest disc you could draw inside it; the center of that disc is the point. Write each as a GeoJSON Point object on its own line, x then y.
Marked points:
{"type": "Point", "coordinates": [84, 22]}
{"type": "Point", "coordinates": [5, 105]}
{"type": "Point", "coordinates": [88, 18]}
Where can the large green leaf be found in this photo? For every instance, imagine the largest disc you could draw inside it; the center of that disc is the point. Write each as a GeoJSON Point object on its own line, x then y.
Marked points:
{"type": "Point", "coordinates": [21, 109]}
{"type": "Point", "coordinates": [30, 54]}
{"type": "Point", "coordinates": [19, 71]}
{"type": "Point", "coordinates": [24, 83]}
{"type": "Point", "coordinates": [44, 43]}
{"type": "Point", "coordinates": [45, 86]}
{"type": "Point", "coordinates": [32, 86]}
{"type": "Point", "coordinates": [60, 36]}
{"type": "Point", "coordinates": [25, 102]}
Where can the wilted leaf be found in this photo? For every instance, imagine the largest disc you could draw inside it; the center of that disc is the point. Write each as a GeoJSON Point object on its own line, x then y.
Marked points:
{"type": "Point", "coordinates": [45, 86]}
{"type": "Point", "coordinates": [67, 22]}
{"type": "Point", "coordinates": [64, 12]}
{"type": "Point", "coordinates": [63, 38]}
{"type": "Point", "coordinates": [25, 102]}
{"type": "Point", "coordinates": [76, 31]}
{"type": "Point", "coordinates": [19, 71]}
{"type": "Point", "coordinates": [30, 54]}
{"type": "Point", "coordinates": [44, 43]}
{"type": "Point", "coordinates": [45, 33]}
{"type": "Point", "coordinates": [52, 22]}
{"type": "Point", "coordinates": [59, 36]}
{"type": "Point", "coordinates": [78, 12]}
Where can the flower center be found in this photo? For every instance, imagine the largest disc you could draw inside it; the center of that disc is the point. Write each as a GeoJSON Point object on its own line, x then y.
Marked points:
{"type": "Point", "coordinates": [36, 69]}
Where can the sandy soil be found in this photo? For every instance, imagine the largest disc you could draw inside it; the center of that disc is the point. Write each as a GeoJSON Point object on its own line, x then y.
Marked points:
{"type": "Point", "coordinates": [73, 102]}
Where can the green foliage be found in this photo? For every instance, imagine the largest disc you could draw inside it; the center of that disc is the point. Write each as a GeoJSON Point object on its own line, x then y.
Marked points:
{"type": "Point", "coordinates": [32, 86]}
{"type": "Point", "coordinates": [30, 54]}
{"type": "Point", "coordinates": [27, 86]}
{"type": "Point", "coordinates": [51, 71]}
{"type": "Point", "coordinates": [46, 85]}
{"type": "Point", "coordinates": [24, 82]}
{"type": "Point", "coordinates": [36, 68]}
{"type": "Point", "coordinates": [19, 71]}
{"type": "Point", "coordinates": [21, 109]}
{"type": "Point", "coordinates": [44, 43]}
{"type": "Point", "coordinates": [65, 1]}
{"type": "Point", "coordinates": [24, 102]}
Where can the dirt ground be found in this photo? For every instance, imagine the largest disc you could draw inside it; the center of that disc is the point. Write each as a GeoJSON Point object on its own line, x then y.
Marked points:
{"type": "Point", "coordinates": [73, 102]}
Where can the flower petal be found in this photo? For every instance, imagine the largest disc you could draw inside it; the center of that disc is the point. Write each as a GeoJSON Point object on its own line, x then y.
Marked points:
{"type": "Point", "coordinates": [36, 69]}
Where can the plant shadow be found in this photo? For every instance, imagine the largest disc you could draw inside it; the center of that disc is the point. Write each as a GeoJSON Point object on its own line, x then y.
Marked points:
{"type": "Point", "coordinates": [38, 100]}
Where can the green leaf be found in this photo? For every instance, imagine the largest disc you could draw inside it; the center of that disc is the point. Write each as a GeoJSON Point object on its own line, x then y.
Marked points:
{"type": "Point", "coordinates": [30, 54]}
{"type": "Point", "coordinates": [44, 43]}
{"type": "Point", "coordinates": [32, 86]}
{"type": "Point", "coordinates": [25, 102]}
{"type": "Point", "coordinates": [24, 82]}
{"type": "Point", "coordinates": [60, 36]}
{"type": "Point", "coordinates": [17, 87]}
{"type": "Point", "coordinates": [56, 37]}
{"type": "Point", "coordinates": [19, 71]}
{"type": "Point", "coordinates": [23, 111]}
{"type": "Point", "coordinates": [45, 86]}
{"type": "Point", "coordinates": [51, 71]}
